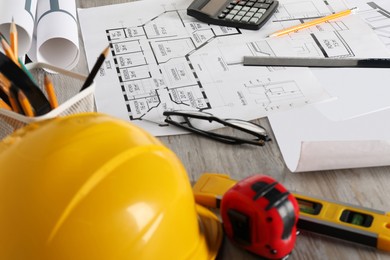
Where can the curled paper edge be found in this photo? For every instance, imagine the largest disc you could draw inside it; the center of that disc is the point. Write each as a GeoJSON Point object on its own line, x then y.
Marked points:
{"type": "Point", "coordinates": [330, 155]}
{"type": "Point", "coordinates": [24, 23]}
{"type": "Point", "coordinates": [57, 47]}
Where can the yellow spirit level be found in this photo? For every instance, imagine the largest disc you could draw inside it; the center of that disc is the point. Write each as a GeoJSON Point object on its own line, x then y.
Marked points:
{"type": "Point", "coordinates": [347, 222]}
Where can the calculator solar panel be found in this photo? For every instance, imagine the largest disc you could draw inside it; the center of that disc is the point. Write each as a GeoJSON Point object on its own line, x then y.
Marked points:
{"type": "Point", "coordinates": [245, 14]}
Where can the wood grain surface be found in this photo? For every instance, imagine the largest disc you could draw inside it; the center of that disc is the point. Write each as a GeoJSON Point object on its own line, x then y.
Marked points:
{"type": "Point", "coordinates": [368, 187]}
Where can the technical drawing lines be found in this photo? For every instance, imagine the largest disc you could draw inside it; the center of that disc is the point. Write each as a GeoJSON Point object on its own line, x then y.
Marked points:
{"type": "Point", "coordinates": [266, 94]}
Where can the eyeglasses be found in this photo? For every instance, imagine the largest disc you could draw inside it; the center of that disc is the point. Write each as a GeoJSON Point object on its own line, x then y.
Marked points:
{"type": "Point", "coordinates": [201, 123]}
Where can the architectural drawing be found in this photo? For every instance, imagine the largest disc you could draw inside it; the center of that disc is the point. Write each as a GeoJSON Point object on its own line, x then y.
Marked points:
{"type": "Point", "coordinates": [155, 70]}
{"type": "Point", "coordinates": [377, 16]}
{"type": "Point", "coordinates": [153, 65]}
{"type": "Point", "coordinates": [161, 59]}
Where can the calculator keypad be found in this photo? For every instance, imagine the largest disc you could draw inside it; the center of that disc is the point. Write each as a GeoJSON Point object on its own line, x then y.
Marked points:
{"type": "Point", "coordinates": [245, 14]}
{"type": "Point", "coordinates": [249, 11]}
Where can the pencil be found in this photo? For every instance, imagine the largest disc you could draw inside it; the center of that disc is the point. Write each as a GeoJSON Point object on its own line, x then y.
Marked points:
{"type": "Point", "coordinates": [50, 92]}
{"type": "Point", "coordinates": [23, 67]}
{"type": "Point", "coordinates": [12, 93]}
{"type": "Point", "coordinates": [3, 95]}
{"type": "Point", "coordinates": [4, 80]}
{"type": "Point", "coordinates": [34, 93]}
{"type": "Point", "coordinates": [4, 105]}
{"type": "Point", "coordinates": [4, 87]}
{"type": "Point", "coordinates": [13, 35]}
{"type": "Point", "coordinates": [312, 23]}
{"type": "Point", "coordinates": [25, 104]}
{"type": "Point", "coordinates": [8, 51]}
{"type": "Point", "coordinates": [95, 68]}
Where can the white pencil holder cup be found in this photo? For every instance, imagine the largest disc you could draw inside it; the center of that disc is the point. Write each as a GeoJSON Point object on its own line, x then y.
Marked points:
{"type": "Point", "coordinates": [70, 99]}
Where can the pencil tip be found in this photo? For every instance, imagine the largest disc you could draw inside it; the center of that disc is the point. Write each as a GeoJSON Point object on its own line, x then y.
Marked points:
{"type": "Point", "coordinates": [21, 94]}
{"type": "Point", "coordinates": [106, 51]}
{"type": "Point", "coordinates": [354, 9]}
{"type": "Point", "coordinates": [13, 26]}
{"type": "Point", "coordinates": [46, 79]}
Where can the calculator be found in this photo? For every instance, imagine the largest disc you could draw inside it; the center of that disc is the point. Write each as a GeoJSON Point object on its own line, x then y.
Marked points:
{"type": "Point", "coordinates": [245, 14]}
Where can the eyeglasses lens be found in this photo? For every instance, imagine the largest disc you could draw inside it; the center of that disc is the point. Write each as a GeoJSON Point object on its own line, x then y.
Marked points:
{"type": "Point", "coordinates": [199, 123]}
{"type": "Point", "coordinates": [204, 121]}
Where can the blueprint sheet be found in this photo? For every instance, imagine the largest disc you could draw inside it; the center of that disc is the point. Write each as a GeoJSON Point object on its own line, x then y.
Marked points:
{"type": "Point", "coordinates": [377, 15]}
{"type": "Point", "coordinates": [161, 59]}
{"type": "Point", "coordinates": [47, 30]}
{"type": "Point", "coordinates": [322, 136]}
{"type": "Point", "coordinates": [360, 91]}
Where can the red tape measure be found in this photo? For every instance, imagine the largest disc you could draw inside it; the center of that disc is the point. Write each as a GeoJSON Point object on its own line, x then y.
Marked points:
{"type": "Point", "coordinates": [260, 215]}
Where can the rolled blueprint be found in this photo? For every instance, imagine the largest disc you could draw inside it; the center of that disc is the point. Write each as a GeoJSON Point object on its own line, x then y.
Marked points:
{"type": "Point", "coordinates": [56, 30]}
{"type": "Point", "coordinates": [23, 14]}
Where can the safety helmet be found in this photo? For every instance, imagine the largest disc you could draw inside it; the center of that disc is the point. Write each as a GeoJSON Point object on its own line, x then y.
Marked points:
{"type": "Point", "coordinates": [89, 186]}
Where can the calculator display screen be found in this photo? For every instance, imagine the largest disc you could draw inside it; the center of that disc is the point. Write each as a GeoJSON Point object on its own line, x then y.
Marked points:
{"type": "Point", "coordinates": [213, 7]}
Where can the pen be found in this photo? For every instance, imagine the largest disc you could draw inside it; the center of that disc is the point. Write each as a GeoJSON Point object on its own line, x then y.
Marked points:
{"type": "Point", "coordinates": [14, 38]}
{"type": "Point", "coordinates": [50, 92]}
{"type": "Point", "coordinates": [95, 68]}
{"type": "Point", "coordinates": [312, 23]}
{"type": "Point", "coordinates": [315, 62]}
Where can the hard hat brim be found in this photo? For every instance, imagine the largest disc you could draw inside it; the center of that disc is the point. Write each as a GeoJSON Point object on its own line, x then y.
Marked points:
{"type": "Point", "coordinates": [211, 233]}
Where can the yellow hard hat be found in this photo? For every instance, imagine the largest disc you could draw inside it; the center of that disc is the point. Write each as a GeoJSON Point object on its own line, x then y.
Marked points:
{"type": "Point", "coordinates": [89, 186]}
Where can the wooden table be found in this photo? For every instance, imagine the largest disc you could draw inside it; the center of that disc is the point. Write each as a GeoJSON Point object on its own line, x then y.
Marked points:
{"type": "Point", "coordinates": [368, 187]}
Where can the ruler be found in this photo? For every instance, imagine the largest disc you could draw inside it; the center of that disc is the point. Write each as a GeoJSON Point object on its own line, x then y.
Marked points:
{"type": "Point", "coordinates": [315, 62]}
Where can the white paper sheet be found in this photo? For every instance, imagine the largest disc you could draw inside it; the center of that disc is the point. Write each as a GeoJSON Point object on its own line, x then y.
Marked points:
{"type": "Point", "coordinates": [47, 29]}
{"type": "Point", "coordinates": [172, 51]}
{"type": "Point", "coordinates": [309, 141]}
{"type": "Point", "coordinates": [23, 12]}
{"type": "Point", "coordinates": [360, 91]}
{"type": "Point", "coordinates": [352, 131]}
{"type": "Point", "coordinates": [376, 15]}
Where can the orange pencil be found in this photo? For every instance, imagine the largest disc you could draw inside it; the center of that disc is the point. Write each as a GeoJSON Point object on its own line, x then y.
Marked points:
{"type": "Point", "coordinates": [4, 80]}
{"type": "Point", "coordinates": [313, 22]}
{"type": "Point", "coordinates": [11, 97]}
{"type": "Point", "coordinates": [8, 51]}
{"type": "Point", "coordinates": [25, 104]}
{"type": "Point", "coordinates": [13, 35]}
{"type": "Point", "coordinates": [4, 105]}
{"type": "Point", "coordinates": [50, 92]}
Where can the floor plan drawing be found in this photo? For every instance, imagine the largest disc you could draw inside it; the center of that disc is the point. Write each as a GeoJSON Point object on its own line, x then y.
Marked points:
{"type": "Point", "coordinates": [377, 16]}
{"type": "Point", "coordinates": [327, 45]}
{"type": "Point", "coordinates": [156, 71]}
{"type": "Point", "coordinates": [153, 63]}
{"type": "Point", "coordinates": [161, 59]}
